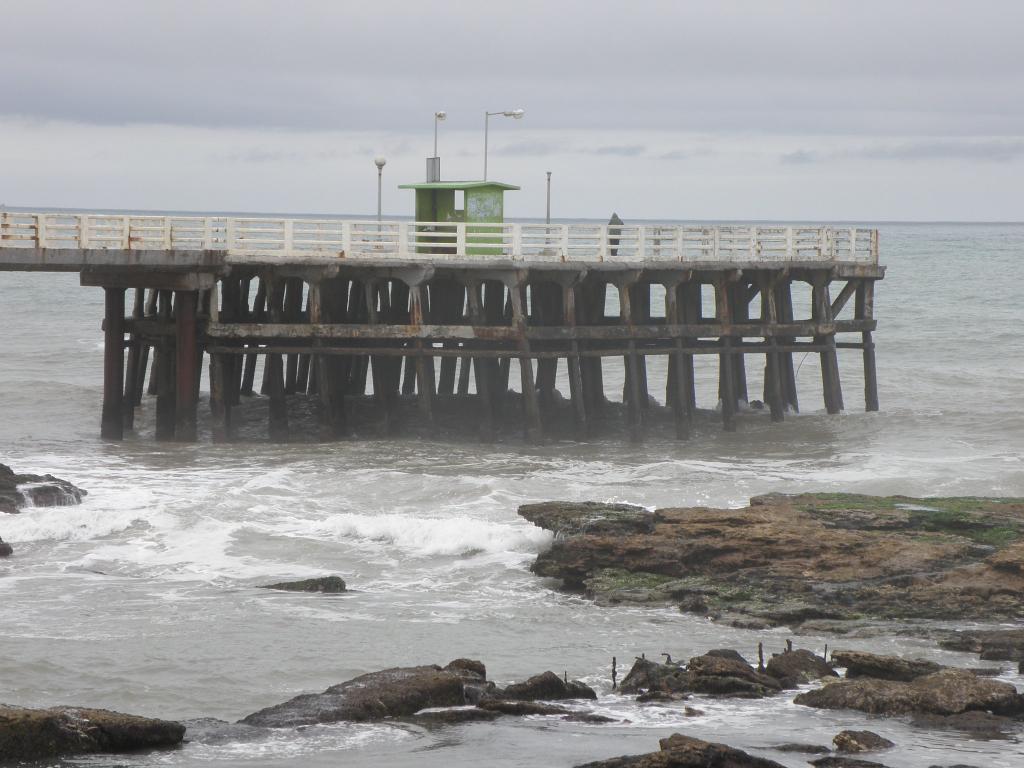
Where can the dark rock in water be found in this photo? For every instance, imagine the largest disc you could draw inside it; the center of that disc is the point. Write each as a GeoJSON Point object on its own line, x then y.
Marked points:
{"type": "Point", "coordinates": [5, 549]}
{"type": "Point", "coordinates": [660, 696]}
{"type": "Point", "coordinates": [397, 692]}
{"type": "Point", "coordinates": [861, 664]}
{"type": "Point", "coordinates": [800, 666]}
{"type": "Point", "coordinates": [476, 686]}
{"type": "Point", "coordinates": [678, 751]}
{"type": "Point", "coordinates": [992, 645]}
{"type": "Point", "coordinates": [807, 749]}
{"type": "Point", "coordinates": [844, 762]}
{"type": "Point", "coordinates": [588, 717]}
{"type": "Point", "coordinates": [467, 668]}
{"type": "Point", "coordinates": [948, 692]}
{"type": "Point", "coordinates": [548, 687]}
{"type": "Point", "coordinates": [17, 491]}
{"type": "Point", "coordinates": [647, 675]}
{"type": "Point", "coordinates": [36, 734]}
{"type": "Point", "coordinates": [860, 741]}
{"type": "Point", "coordinates": [693, 712]}
{"type": "Point", "coordinates": [728, 653]}
{"type": "Point", "coordinates": [727, 676]}
{"type": "Point", "coordinates": [721, 675]}
{"type": "Point", "coordinates": [328, 585]}
{"type": "Point", "coordinates": [522, 708]}
{"type": "Point", "coordinates": [454, 716]}
{"type": "Point", "coordinates": [571, 517]}
{"type": "Point", "coordinates": [977, 724]}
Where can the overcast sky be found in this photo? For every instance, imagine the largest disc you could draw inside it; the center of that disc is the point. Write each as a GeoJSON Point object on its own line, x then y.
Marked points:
{"type": "Point", "coordinates": [897, 110]}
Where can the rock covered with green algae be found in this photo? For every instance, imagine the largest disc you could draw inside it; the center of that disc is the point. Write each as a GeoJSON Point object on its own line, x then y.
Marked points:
{"type": "Point", "coordinates": [791, 559]}
{"type": "Point", "coordinates": [37, 734]}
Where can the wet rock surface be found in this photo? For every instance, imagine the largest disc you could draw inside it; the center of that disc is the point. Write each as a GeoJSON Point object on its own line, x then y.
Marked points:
{"type": "Point", "coordinates": [5, 549]}
{"type": "Point", "coordinates": [805, 749]}
{"type": "Point", "coordinates": [991, 645]}
{"type": "Point", "coordinates": [860, 741]}
{"type": "Point", "coordinates": [328, 585]}
{"type": "Point", "coordinates": [948, 692]}
{"type": "Point", "coordinates": [678, 751]}
{"type": "Point", "coordinates": [548, 686]}
{"type": "Point", "coordinates": [396, 692]}
{"type": "Point", "coordinates": [798, 667]}
{"type": "Point", "coordinates": [21, 490]}
{"type": "Point", "coordinates": [837, 761]}
{"type": "Point", "coordinates": [708, 674]}
{"type": "Point", "coordinates": [459, 692]}
{"type": "Point", "coordinates": [786, 560]}
{"type": "Point", "coordinates": [521, 708]}
{"type": "Point", "coordinates": [455, 716]}
{"type": "Point", "coordinates": [569, 518]}
{"type": "Point", "coordinates": [976, 724]}
{"type": "Point", "coordinates": [35, 734]}
{"type": "Point", "coordinates": [861, 664]}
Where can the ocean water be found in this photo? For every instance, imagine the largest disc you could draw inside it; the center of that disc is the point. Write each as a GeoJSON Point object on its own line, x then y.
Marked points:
{"type": "Point", "coordinates": [143, 599]}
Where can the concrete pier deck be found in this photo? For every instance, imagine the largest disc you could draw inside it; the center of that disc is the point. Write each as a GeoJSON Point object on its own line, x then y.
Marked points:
{"type": "Point", "coordinates": [340, 311]}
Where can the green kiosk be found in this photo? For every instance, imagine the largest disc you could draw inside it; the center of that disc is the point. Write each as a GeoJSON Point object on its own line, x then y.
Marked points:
{"type": "Point", "coordinates": [471, 202]}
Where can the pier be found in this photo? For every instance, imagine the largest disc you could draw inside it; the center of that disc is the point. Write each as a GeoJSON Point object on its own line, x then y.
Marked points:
{"type": "Point", "coordinates": [399, 315]}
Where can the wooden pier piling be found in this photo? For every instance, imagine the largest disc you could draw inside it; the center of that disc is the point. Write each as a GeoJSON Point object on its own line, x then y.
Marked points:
{"type": "Point", "coordinates": [185, 365]}
{"type": "Point", "coordinates": [112, 421]}
{"type": "Point", "coordinates": [338, 324]}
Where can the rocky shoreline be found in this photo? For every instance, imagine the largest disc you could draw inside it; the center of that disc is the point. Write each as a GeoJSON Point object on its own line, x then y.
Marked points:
{"type": "Point", "coordinates": [810, 559]}
{"type": "Point", "coordinates": [924, 694]}
{"type": "Point", "coordinates": [781, 560]}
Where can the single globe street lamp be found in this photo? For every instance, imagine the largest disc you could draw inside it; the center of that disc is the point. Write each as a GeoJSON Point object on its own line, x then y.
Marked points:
{"type": "Point", "coordinates": [380, 162]}
{"type": "Point", "coordinates": [516, 114]}
{"type": "Point", "coordinates": [438, 117]}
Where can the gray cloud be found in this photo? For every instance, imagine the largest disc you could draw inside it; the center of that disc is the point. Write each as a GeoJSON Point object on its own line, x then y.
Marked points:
{"type": "Point", "coordinates": [993, 150]}
{"type": "Point", "coordinates": [531, 148]}
{"type": "Point", "coordinates": [794, 66]}
{"type": "Point", "coordinates": [620, 150]}
{"type": "Point", "coordinates": [800, 157]}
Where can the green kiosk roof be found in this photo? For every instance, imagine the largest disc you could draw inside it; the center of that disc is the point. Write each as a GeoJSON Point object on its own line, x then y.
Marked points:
{"type": "Point", "coordinates": [457, 185]}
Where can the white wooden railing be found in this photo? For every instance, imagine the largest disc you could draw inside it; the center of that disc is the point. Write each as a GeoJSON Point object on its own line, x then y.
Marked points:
{"type": "Point", "coordinates": [270, 237]}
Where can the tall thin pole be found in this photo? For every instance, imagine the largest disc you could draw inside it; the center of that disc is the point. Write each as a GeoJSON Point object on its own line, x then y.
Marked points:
{"type": "Point", "coordinates": [487, 120]}
{"type": "Point", "coordinates": [547, 218]}
{"type": "Point", "coordinates": [435, 135]}
{"type": "Point", "coordinates": [380, 174]}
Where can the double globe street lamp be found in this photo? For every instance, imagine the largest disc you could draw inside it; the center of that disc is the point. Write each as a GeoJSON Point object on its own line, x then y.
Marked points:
{"type": "Point", "coordinates": [516, 114]}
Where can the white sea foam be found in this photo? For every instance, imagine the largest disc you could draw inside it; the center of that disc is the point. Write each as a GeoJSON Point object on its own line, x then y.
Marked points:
{"type": "Point", "coordinates": [80, 523]}
{"type": "Point", "coordinates": [425, 537]}
{"type": "Point", "coordinates": [292, 744]}
{"type": "Point", "coordinates": [186, 551]}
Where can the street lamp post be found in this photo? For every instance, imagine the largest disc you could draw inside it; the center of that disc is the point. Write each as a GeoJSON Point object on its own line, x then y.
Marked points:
{"type": "Point", "coordinates": [547, 218]}
{"type": "Point", "coordinates": [434, 163]}
{"type": "Point", "coordinates": [513, 113]}
{"type": "Point", "coordinates": [438, 117]}
{"type": "Point", "coordinates": [380, 162]}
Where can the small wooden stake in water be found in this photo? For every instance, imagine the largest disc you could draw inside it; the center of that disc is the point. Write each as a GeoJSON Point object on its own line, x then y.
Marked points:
{"type": "Point", "coordinates": [789, 646]}
{"type": "Point", "coordinates": [615, 674]}
{"type": "Point", "coordinates": [760, 657]}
